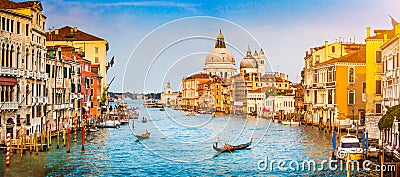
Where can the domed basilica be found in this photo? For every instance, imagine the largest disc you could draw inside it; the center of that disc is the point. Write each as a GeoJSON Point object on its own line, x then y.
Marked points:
{"type": "Point", "coordinates": [220, 61]}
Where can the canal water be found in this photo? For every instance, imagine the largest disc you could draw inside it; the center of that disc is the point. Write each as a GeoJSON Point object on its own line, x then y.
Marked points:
{"type": "Point", "coordinates": [180, 145]}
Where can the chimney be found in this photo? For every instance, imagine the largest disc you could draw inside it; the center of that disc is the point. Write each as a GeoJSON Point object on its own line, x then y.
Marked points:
{"type": "Point", "coordinates": [306, 53]}
{"type": "Point", "coordinates": [311, 50]}
{"type": "Point", "coordinates": [75, 29]}
{"type": "Point", "coordinates": [56, 32]}
{"type": "Point", "coordinates": [385, 39]}
{"type": "Point", "coordinates": [368, 32]}
{"type": "Point", "coordinates": [326, 51]}
{"type": "Point", "coordinates": [397, 29]}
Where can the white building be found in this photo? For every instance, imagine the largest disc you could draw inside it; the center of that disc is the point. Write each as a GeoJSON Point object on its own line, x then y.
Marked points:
{"type": "Point", "coordinates": [391, 70]}
{"type": "Point", "coordinates": [255, 101]}
{"type": "Point", "coordinates": [280, 104]}
{"type": "Point", "coordinates": [168, 97]}
{"type": "Point", "coordinates": [220, 60]}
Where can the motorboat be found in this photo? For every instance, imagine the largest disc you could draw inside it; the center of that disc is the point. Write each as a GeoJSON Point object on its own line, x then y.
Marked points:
{"type": "Point", "coordinates": [349, 148]}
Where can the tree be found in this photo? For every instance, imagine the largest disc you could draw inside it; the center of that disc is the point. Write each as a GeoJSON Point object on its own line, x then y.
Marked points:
{"type": "Point", "coordinates": [387, 120]}
{"type": "Point", "coordinates": [103, 99]}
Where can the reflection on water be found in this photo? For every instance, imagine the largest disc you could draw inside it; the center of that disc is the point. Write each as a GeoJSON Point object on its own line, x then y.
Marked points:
{"type": "Point", "coordinates": [178, 145]}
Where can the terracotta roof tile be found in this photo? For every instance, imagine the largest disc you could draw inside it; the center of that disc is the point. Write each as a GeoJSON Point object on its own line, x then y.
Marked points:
{"type": "Point", "coordinates": [199, 76]}
{"type": "Point", "coordinates": [356, 57]}
{"type": "Point", "coordinates": [380, 34]}
{"type": "Point", "coordinates": [68, 33]}
{"type": "Point", "coordinates": [7, 4]}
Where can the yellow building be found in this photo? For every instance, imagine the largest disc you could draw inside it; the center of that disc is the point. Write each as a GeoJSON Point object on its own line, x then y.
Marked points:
{"type": "Point", "coordinates": [324, 88]}
{"type": "Point", "coordinates": [373, 94]}
{"type": "Point", "coordinates": [192, 89]}
{"type": "Point", "coordinates": [94, 48]}
{"type": "Point", "coordinates": [282, 84]}
{"type": "Point", "coordinates": [206, 93]}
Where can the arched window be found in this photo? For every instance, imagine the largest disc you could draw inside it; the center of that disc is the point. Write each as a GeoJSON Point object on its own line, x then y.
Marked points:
{"type": "Point", "coordinates": [17, 57]}
{"type": "Point", "coordinates": [2, 55]}
{"type": "Point", "coordinates": [351, 75]}
{"type": "Point", "coordinates": [333, 49]}
{"type": "Point", "coordinates": [11, 56]}
{"type": "Point", "coordinates": [26, 59]}
{"type": "Point", "coordinates": [351, 97]}
{"type": "Point", "coordinates": [7, 56]}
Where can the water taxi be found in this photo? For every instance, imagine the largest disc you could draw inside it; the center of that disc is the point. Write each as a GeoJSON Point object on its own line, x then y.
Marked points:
{"type": "Point", "coordinates": [349, 148]}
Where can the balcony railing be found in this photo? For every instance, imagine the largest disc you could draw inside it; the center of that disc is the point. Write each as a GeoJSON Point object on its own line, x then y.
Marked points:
{"type": "Point", "coordinates": [30, 74]}
{"type": "Point", "coordinates": [46, 76]}
{"type": "Point", "coordinates": [5, 71]}
{"type": "Point", "coordinates": [34, 100]}
{"type": "Point", "coordinates": [9, 105]}
{"type": "Point", "coordinates": [60, 79]}
{"type": "Point", "coordinates": [21, 72]}
{"type": "Point", "coordinates": [40, 99]}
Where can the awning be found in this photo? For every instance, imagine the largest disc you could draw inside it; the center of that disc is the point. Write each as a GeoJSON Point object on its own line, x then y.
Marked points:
{"type": "Point", "coordinates": [8, 81]}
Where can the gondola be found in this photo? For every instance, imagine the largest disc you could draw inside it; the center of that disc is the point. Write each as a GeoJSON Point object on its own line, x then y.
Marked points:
{"type": "Point", "coordinates": [142, 136]}
{"type": "Point", "coordinates": [232, 148]}
{"type": "Point", "coordinates": [144, 120]}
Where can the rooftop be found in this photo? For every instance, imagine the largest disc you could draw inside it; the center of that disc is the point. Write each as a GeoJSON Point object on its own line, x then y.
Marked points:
{"type": "Point", "coordinates": [356, 57]}
{"type": "Point", "coordinates": [7, 4]}
{"type": "Point", "coordinates": [70, 34]}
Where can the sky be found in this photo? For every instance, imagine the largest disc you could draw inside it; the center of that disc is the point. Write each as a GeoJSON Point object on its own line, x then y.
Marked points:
{"type": "Point", "coordinates": [158, 41]}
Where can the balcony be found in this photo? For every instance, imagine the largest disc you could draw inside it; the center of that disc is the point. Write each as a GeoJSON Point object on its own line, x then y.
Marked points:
{"type": "Point", "coordinates": [60, 79]}
{"type": "Point", "coordinates": [46, 76]}
{"type": "Point", "coordinates": [45, 100]}
{"type": "Point", "coordinates": [14, 71]}
{"type": "Point", "coordinates": [29, 74]}
{"type": "Point", "coordinates": [21, 72]}
{"type": "Point", "coordinates": [5, 71]}
{"type": "Point", "coordinates": [9, 106]}
{"type": "Point", "coordinates": [34, 100]}
{"type": "Point", "coordinates": [40, 99]}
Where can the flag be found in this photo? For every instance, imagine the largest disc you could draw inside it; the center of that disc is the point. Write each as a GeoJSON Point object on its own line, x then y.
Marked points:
{"type": "Point", "coordinates": [265, 110]}
{"type": "Point", "coordinates": [112, 62]}
{"type": "Point", "coordinates": [394, 22]}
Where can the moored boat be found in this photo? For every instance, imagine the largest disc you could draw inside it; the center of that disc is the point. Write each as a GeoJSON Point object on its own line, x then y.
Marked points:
{"type": "Point", "coordinates": [349, 148]}
{"type": "Point", "coordinates": [291, 122]}
{"type": "Point", "coordinates": [109, 124]}
{"type": "Point", "coordinates": [93, 129]}
{"type": "Point", "coordinates": [124, 121]}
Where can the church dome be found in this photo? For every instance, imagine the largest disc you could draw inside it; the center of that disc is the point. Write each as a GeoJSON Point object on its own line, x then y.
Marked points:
{"type": "Point", "coordinates": [220, 55]}
{"type": "Point", "coordinates": [249, 61]}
